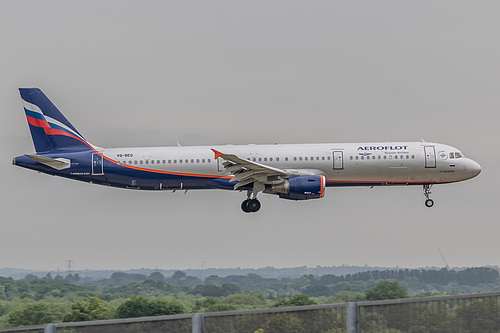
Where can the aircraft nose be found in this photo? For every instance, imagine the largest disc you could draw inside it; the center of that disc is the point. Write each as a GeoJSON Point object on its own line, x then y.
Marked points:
{"type": "Point", "coordinates": [475, 168]}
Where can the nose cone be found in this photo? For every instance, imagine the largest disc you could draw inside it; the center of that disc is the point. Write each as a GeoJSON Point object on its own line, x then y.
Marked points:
{"type": "Point", "coordinates": [474, 168]}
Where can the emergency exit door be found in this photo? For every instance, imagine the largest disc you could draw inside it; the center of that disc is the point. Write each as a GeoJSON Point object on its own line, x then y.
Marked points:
{"type": "Point", "coordinates": [338, 160]}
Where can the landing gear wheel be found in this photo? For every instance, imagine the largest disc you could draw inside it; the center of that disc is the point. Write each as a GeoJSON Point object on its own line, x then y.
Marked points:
{"type": "Point", "coordinates": [244, 206]}
{"type": "Point", "coordinates": [250, 205]}
{"type": "Point", "coordinates": [253, 205]}
{"type": "Point", "coordinates": [429, 203]}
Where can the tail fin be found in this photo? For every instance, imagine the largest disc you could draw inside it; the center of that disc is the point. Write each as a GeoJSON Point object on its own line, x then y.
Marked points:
{"type": "Point", "coordinates": [50, 130]}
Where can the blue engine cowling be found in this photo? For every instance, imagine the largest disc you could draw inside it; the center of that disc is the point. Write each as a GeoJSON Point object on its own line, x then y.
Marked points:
{"type": "Point", "coordinates": [301, 188]}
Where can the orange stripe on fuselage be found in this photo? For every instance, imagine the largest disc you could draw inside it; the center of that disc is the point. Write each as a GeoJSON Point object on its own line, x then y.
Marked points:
{"type": "Point", "coordinates": [384, 182]}
{"type": "Point", "coordinates": [165, 172]}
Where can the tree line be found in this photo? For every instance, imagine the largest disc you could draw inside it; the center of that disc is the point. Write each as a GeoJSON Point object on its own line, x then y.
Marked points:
{"type": "Point", "coordinates": [34, 300]}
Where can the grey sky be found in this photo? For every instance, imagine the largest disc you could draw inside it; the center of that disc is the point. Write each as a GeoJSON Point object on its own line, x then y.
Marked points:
{"type": "Point", "coordinates": [151, 73]}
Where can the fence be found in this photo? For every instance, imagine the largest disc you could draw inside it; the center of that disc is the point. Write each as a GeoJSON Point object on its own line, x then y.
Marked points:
{"type": "Point", "coordinates": [458, 314]}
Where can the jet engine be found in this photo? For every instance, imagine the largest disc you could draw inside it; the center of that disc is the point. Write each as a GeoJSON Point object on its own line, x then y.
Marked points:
{"type": "Point", "coordinates": [299, 188]}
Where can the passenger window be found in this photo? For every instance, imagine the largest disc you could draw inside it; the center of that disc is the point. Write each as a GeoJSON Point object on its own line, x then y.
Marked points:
{"type": "Point", "coordinates": [260, 159]}
{"type": "Point", "coordinates": [323, 158]}
{"type": "Point", "coordinates": [294, 158]}
{"type": "Point", "coordinates": [209, 160]}
{"type": "Point", "coordinates": [135, 162]}
{"type": "Point", "coordinates": [286, 159]}
{"type": "Point", "coordinates": [407, 156]}
{"type": "Point", "coordinates": [300, 158]}
{"type": "Point", "coordinates": [357, 157]}
{"type": "Point", "coordinates": [277, 159]}
{"type": "Point", "coordinates": [169, 161]}
{"type": "Point", "coordinates": [180, 161]}
{"type": "Point", "coordinates": [197, 160]}
{"type": "Point", "coordinates": [265, 159]}
{"type": "Point", "coordinates": [192, 161]}
{"type": "Point", "coordinates": [164, 161]}
{"type": "Point", "coordinates": [202, 160]}
{"type": "Point", "coordinates": [270, 159]}
{"type": "Point", "coordinates": [328, 158]}
{"type": "Point", "coordinates": [350, 158]}
{"type": "Point", "coordinates": [305, 158]}
{"type": "Point", "coordinates": [385, 157]}
{"type": "Point", "coordinates": [395, 157]}
{"type": "Point", "coordinates": [152, 162]}
{"type": "Point", "coordinates": [140, 162]}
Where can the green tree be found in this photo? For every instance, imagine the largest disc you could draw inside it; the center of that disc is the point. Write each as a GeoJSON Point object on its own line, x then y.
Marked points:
{"type": "Point", "coordinates": [386, 290]}
{"type": "Point", "coordinates": [142, 307]}
{"type": "Point", "coordinates": [94, 309]}
{"type": "Point", "coordinates": [297, 300]}
{"type": "Point", "coordinates": [157, 276]}
{"type": "Point", "coordinates": [34, 314]}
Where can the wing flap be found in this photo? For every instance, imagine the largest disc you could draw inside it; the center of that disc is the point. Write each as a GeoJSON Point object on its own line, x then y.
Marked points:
{"type": "Point", "coordinates": [246, 172]}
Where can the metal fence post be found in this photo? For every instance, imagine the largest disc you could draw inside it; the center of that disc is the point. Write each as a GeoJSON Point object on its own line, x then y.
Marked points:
{"type": "Point", "coordinates": [198, 323]}
{"type": "Point", "coordinates": [351, 317]}
{"type": "Point", "coordinates": [49, 328]}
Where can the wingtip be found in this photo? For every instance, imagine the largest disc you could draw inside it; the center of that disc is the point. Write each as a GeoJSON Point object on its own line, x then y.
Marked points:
{"type": "Point", "coordinates": [217, 153]}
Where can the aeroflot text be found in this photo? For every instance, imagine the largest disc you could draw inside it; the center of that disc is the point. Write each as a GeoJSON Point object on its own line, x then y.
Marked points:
{"type": "Point", "coordinates": [383, 148]}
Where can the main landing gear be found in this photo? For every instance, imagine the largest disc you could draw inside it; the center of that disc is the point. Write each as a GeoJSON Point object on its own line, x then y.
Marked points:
{"type": "Point", "coordinates": [251, 204]}
{"type": "Point", "coordinates": [427, 191]}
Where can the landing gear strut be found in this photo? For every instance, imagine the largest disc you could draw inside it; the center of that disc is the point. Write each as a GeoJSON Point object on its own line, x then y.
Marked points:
{"type": "Point", "coordinates": [251, 204]}
{"type": "Point", "coordinates": [427, 191]}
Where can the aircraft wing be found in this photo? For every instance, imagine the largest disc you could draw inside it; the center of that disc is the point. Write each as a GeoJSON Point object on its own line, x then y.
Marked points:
{"type": "Point", "coordinates": [245, 171]}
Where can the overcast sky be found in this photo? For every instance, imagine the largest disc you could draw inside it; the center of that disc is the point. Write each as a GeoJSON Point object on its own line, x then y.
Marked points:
{"type": "Point", "coordinates": [153, 73]}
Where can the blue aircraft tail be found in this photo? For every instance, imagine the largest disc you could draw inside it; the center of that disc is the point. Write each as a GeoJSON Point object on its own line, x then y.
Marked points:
{"type": "Point", "coordinates": [50, 130]}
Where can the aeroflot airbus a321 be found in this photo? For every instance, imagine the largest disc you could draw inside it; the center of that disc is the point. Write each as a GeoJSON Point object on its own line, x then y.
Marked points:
{"type": "Point", "coordinates": [291, 171]}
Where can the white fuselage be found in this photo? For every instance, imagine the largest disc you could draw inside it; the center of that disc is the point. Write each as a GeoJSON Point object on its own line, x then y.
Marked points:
{"type": "Point", "coordinates": [341, 164]}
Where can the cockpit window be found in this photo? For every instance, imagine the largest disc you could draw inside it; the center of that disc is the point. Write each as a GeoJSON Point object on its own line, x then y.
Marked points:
{"type": "Point", "coordinates": [456, 155]}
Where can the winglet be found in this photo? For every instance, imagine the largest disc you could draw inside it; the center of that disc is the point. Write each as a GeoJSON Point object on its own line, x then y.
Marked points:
{"type": "Point", "coordinates": [217, 153]}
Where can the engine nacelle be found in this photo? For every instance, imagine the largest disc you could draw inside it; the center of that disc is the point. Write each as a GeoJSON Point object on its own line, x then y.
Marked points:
{"type": "Point", "coordinates": [300, 188]}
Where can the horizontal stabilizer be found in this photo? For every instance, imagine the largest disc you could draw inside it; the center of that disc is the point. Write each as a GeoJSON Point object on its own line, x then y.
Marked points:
{"type": "Point", "coordinates": [55, 163]}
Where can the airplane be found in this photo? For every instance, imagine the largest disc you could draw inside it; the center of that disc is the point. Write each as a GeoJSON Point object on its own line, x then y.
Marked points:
{"type": "Point", "coordinates": [290, 171]}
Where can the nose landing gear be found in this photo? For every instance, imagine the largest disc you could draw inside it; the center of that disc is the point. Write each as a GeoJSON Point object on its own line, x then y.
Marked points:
{"type": "Point", "coordinates": [427, 191]}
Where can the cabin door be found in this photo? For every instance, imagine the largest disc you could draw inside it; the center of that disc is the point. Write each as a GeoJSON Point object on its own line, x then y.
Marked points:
{"type": "Point", "coordinates": [97, 164]}
{"type": "Point", "coordinates": [430, 157]}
